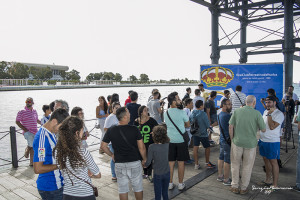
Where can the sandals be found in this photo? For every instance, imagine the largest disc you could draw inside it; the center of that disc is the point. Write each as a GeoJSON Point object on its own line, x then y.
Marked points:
{"type": "Point", "coordinates": [114, 179]}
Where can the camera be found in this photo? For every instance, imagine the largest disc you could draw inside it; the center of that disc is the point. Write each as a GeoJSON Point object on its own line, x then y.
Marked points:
{"type": "Point", "coordinates": [263, 99]}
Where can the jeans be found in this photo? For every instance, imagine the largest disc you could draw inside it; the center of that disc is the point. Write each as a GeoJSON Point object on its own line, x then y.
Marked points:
{"type": "Point", "coordinates": [52, 195]}
{"type": "Point", "coordinates": [112, 163]}
{"type": "Point", "coordinates": [161, 184]}
{"type": "Point", "coordinates": [298, 165]}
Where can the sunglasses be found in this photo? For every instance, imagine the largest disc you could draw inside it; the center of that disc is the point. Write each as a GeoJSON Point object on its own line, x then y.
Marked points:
{"type": "Point", "coordinates": [29, 102]}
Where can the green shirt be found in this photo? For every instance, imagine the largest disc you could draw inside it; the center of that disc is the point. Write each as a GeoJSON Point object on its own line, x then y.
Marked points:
{"type": "Point", "coordinates": [246, 121]}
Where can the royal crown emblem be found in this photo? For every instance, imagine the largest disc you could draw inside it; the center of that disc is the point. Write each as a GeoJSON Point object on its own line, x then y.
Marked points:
{"type": "Point", "coordinates": [217, 76]}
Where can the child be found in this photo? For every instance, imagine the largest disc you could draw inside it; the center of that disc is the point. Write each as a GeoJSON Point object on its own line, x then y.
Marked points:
{"type": "Point", "coordinates": [201, 135]}
{"type": "Point", "coordinates": [47, 111]}
{"type": "Point", "coordinates": [158, 152]}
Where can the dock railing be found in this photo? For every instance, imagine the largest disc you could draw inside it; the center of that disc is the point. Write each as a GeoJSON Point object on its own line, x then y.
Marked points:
{"type": "Point", "coordinates": [14, 161]}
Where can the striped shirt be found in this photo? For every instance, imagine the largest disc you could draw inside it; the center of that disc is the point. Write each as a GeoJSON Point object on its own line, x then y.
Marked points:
{"type": "Point", "coordinates": [28, 119]}
{"type": "Point", "coordinates": [43, 145]}
{"type": "Point", "coordinates": [79, 187]}
{"type": "Point", "coordinates": [45, 119]}
{"type": "Point", "coordinates": [237, 101]}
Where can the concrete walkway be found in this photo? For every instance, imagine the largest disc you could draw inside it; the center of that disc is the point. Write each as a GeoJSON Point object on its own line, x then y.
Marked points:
{"type": "Point", "coordinates": [202, 184]}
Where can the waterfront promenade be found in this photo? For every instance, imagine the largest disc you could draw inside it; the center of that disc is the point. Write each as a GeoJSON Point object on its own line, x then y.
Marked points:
{"type": "Point", "coordinates": [201, 184]}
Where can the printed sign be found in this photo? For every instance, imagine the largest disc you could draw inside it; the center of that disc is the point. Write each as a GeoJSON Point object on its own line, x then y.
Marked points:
{"type": "Point", "coordinates": [255, 79]}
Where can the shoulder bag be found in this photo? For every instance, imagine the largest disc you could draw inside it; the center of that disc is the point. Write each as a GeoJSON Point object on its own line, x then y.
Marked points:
{"type": "Point", "coordinates": [185, 135]}
{"type": "Point", "coordinates": [194, 126]}
{"type": "Point", "coordinates": [228, 140]}
{"type": "Point", "coordinates": [239, 99]}
{"type": "Point", "coordinates": [95, 189]}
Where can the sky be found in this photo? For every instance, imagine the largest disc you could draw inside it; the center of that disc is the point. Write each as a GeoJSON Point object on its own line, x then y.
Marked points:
{"type": "Point", "coordinates": [164, 39]}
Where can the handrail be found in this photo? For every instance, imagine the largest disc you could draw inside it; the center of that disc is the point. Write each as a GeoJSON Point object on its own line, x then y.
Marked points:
{"type": "Point", "coordinates": [13, 140]}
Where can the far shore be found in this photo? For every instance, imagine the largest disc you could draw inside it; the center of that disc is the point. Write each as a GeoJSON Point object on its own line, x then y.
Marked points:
{"type": "Point", "coordinates": [54, 87]}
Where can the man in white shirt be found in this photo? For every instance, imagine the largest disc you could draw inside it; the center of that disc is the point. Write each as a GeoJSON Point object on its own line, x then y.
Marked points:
{"type": "Point", "coordinates": [197, 97]}
{"type": "Point", "coordinates": [295, 96]}
{"type": "Point", "coordinates": [110, 121]}
{"type": "Point", "coordinates": [269, 143]}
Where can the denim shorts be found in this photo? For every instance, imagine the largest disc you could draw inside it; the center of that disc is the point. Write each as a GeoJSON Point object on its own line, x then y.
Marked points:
{"type": "Point", "coordinates": [225, 152]}
{"type": "Point", "coordinates": [203, 140]}
{"type": "Point", "coordinates": [270, 150]}
{"type": "Point", "coordinates": [129, 172]}
{"type": "Point", "coordinates": [213, 118]}
{"type": "Point", "coordinates": [54, 195]}
{"type": "Point", "coordinates": [29, 137]}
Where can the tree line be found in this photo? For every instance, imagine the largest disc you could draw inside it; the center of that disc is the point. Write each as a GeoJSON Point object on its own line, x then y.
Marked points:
{"type": "Point", "coordinates": [21, 71]}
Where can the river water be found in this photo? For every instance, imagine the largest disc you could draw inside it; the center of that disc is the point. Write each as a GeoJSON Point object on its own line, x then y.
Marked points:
{"type": "Point", "coordinates": [13, 101]}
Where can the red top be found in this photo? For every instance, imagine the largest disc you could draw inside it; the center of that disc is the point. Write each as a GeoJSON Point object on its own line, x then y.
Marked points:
{"type": "Point", "coordinates": [128, 100]}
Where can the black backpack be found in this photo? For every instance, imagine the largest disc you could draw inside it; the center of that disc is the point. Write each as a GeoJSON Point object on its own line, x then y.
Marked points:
{"type": "Point", "coordinates": [194, 126]}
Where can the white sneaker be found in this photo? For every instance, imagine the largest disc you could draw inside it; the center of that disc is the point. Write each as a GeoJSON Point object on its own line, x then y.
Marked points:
{"type": "Point", "coordinates": [181, 186]}
{"type": "Point", "coordinates": [171, 186]}
{"type": "Point", "coordinates": [197, 167]}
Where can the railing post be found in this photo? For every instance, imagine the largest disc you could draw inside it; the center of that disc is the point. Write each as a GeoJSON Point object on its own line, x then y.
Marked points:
{"type": "Point", "coordinates": [13, 143]}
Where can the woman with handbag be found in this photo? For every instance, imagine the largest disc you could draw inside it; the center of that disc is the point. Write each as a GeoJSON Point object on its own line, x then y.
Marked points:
{"type": "Point", "coordinates": [75, 162]}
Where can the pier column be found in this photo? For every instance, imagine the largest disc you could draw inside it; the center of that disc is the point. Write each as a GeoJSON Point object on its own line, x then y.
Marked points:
{"type": "Point", "coordinates": [243, 33]}
{"type": "Point", "coordinates": [215, 52]}
{"type": "Point", "coordinates": [289, 44]}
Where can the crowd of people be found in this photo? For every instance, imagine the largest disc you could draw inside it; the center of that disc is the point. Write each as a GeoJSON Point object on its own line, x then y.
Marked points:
{"type": "Point", "coordinates": [145, 141]}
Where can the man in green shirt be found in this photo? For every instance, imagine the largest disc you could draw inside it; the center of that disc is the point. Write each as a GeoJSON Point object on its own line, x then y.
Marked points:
{"type": "Point", "coordinates": [243, 127]}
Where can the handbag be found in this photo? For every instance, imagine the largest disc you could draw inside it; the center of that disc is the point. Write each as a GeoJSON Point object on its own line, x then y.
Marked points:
{"type": "Point", "coordinates": [228, 140]}
{"type": "Point", "coordinates": [95, 189]}
{"type": "Point", "coordinates": [239, 99]}
{"type": "Point", "coordinates": [194, 127]}
{"type": "Point", "coordinates": [185, 135]}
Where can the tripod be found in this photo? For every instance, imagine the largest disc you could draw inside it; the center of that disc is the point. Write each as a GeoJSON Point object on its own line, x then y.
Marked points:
{"type": "Point", "coordinates": [288, 129]}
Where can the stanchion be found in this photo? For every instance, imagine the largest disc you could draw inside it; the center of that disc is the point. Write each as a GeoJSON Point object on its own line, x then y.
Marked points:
{"type": "Point", "coordinates": [13, 142]}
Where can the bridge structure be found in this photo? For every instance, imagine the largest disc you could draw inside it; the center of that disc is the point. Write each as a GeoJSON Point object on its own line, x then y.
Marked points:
{"type": "Point", "coordinates": [256, 14]}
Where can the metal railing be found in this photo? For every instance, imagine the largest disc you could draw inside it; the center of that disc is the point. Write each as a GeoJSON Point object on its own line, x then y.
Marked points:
{"type": "Point", "coordinates": [14, 150]}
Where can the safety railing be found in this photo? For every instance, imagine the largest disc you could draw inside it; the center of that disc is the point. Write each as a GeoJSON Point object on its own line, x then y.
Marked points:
{"type": "Point", "coordinates": [14, 147]}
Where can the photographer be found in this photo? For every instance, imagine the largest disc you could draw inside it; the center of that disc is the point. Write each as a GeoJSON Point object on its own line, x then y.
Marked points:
{"type": "Point", "coordinates": [279, 105]}
{"type": "Point", "coordinates": [289, 104]}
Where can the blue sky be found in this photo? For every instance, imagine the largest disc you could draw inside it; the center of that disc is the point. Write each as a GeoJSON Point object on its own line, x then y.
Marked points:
{"type": "Point", "coordinates": [164, 39]}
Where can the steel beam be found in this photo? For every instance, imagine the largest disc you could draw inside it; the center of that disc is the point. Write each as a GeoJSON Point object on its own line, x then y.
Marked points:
{"type": "Point", "coordinates": [254, 44]}
{"type": "Point", "coordinates": [264, 52]}
{"type": "Point", "coordinates": [270, 18]}
{"type": "Point", "coordinates": [243, 34]}
{"type": "Point", "coordinates": [297, 58]}
{"type": "Point", "coordinates": [215, 52]}
{"type": "Point", "coordinates": [288, 45]}
{"type": "Point", "coordinates": [203, 3]}
{"type": "Point", "coordinates": [252, 5]}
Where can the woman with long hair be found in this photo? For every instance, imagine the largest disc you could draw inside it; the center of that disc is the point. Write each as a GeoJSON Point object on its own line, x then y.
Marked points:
{"type": "Point", "coordinates": [146, 125]}
{"type": "Point", "coordinates": [78, 112]}
{"type": "Point", "coordinates": [75, 161]}
{"type": "Point", "coordinates": [114, 98]}
{"type": "Point", "coordinates": [101, 114]}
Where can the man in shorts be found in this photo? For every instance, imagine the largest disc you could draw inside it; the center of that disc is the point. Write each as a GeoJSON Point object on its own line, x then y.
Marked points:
{"type": "Point", "coordinates": [224, 158]}
{"type": "Point", "coordinates": [178, 149]}
{"type": "Point", "coordinates": [211, 111]}
{"type": "Point", "coordinates": [269, 143]}
{"type": "Point", "coordinates": [27, 120]}
{"type": "Point", "coordinates": [128, 148]}
{"type": "Point", "coordinates": [201, 135]}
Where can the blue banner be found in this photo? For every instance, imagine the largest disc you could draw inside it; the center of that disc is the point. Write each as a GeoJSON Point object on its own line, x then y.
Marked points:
{"type": "Point", "coordinates": [255, 79]}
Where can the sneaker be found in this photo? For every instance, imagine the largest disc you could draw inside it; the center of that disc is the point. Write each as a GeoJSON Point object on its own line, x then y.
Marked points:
{"type": "Point", "coordinates": [145, 176]}
{"type": "Point", "coordinates": [149, 178]}
{"type": "Point", "coordinates": [171, 186]}
{"type": "Point", "coordinates": [211, 142]}
{"type": "Point", "coordinates": [181, 186]}
{"type": "Point", "coordinates": [188, 162]}
{"type": "Point", "coordinates": [197, 167]}
{"type": "Point", "coordinates": [209, 165]}
{"type": "Point", "coordinates": [295, 188]}
{"type": "Point", "coordinates": [26, 154]}
{"type": "Point", "coordinates": [211, 130]}
{"type": "Point", "coordinates": [228, 182]}
{"type": "Point", "coordinates": [220, 178]}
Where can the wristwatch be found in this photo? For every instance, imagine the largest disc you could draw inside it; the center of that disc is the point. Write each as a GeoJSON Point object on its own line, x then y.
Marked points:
{"type": "Point", "coordinates": [268, 115]}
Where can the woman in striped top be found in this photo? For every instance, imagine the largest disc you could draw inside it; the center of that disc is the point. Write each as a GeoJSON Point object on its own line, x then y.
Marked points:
{"type": "Point", "coordinates": [75, 161]}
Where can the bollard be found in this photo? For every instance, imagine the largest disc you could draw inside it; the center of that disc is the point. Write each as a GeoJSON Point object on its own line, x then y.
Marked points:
{"type": "Point", "coordinates": [13, 143]}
